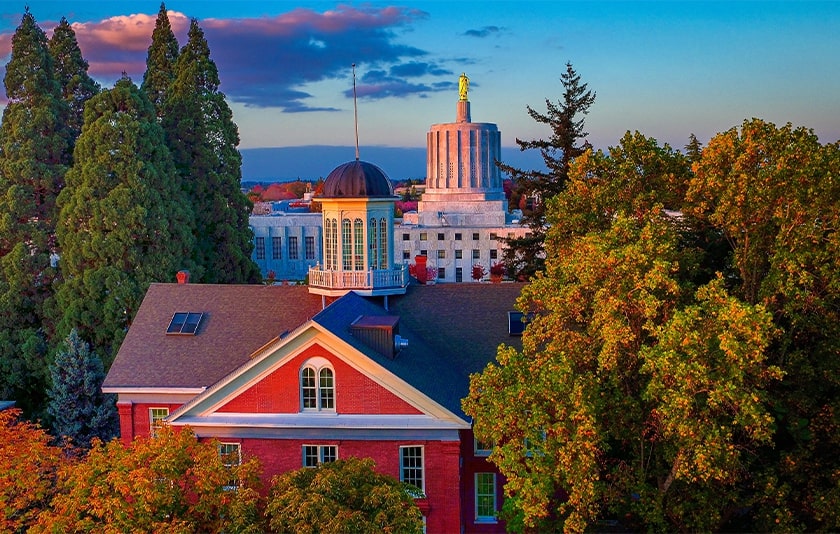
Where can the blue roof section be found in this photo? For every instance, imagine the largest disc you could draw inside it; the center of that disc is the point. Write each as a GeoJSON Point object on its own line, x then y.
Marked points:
{"type": "Point", "coordinates": [437, 375]}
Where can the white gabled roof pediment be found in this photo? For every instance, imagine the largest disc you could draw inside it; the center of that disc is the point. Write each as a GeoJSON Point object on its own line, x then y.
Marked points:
{"type": "Point", "coordinates": [204, 409]}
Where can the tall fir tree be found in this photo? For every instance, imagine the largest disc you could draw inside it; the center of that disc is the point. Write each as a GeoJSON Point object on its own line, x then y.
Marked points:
{"type": "Point", "coordinates": [203, 139]}
{"type": "Point", "coordinates": [160, 62]}
{"type": "Point", "coordinates": [71, 72]}
{"type": "Point", "coordinates": [525, 256]}
{"type": "Point", "coordinates": [34, 156]}
{"type": "Point", "coordinates": [124, 220]}
{"type": "Point", "coordinates": [78, 409]}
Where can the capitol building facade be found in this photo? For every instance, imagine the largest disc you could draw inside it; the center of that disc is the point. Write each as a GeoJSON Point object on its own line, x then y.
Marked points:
{"type": "Point", "coordinates": [459, 223]}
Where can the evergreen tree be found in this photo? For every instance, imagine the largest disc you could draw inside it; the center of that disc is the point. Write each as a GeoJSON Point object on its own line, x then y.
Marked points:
{"type": "Point", "coordinates": [160, 62]}
{"type": "Point", "coordinates": [124, 220]}
{"type": "Point", "coordinates": [34, 155]}
{"type": "Point", "coordinates": [525, 256]}
{"type": "Point", "coordinates": [78, 408]}
{"type": "Point", "coordinates": [71, 72]}
{"type": "Point", "coordinates": [203, 139]}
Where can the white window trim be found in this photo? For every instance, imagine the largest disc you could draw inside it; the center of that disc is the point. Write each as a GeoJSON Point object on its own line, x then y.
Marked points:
{"type": "Point", "coordinates": [321, 449]}
{"type": "Point", "coordinates": [422, 464]}
{"type": "Point", "coordinates": [478, 451]}
{"type": "Point", "coordinates": [152, 426]}
{"type": "Point", "coordinates": [238, 447]}
{"type": "Point", "coordinates": [317, 364]}
{"type": "Point", "coordinates": [486, 518]}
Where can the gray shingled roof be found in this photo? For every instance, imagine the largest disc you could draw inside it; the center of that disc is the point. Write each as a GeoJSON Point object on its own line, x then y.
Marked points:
{"type": "Point", "coordinates": [238, 320]}
{"type": "Point", "coordinates": [452, 330]}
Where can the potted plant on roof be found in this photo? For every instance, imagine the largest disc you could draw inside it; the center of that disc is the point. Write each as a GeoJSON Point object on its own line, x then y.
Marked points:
{"type": "Point", "coordinates": [497, 271]}
{"type": "Point", "coordinates": [478, 272]}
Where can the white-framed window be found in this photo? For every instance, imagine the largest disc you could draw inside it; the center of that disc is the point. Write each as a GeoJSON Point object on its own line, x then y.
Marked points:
{"type": "Point", "coordinates": [314, 455]}
{"type": "Point", "coordinates": [317, 386]}
{"type": "Point", "coordinates": [156, 420]}
{"type": "Point", "coordinates": [485, 497]}
{"type": "Point", "coordinates": [383, 243]}
{"type": "Point", "coordinates": [411, 466]}
{"type": "Point", "coordinates": [231, 456]}
{"type": "Point", "coordinates": [482, 449]}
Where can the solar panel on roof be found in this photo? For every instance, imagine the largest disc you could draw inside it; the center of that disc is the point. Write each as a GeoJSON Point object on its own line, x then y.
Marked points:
{"type": "Point", "coordinates": [184, 323]}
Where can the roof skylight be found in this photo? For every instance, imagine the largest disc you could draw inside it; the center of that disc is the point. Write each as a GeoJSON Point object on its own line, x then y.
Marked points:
{"type": "Point", "coordinates": [184, 323]}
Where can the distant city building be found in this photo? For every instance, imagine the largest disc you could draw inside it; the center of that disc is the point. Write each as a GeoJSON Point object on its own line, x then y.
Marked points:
{"type": "Point", "coordinates": [458, 223]}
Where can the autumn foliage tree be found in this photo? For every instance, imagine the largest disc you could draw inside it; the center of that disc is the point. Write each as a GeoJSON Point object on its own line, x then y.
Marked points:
{"type": "Point", "coordinates": [29, 467]}
{"type": "Point", "coordinates": [171, 483]}
{"type": "Point", "coordinates": [342, 496]}
{"type": "Point", "coordinates": [645, 383]}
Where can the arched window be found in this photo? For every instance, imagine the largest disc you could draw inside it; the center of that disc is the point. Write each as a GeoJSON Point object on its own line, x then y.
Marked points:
{"type": "Point", "coordinates": [317, 386]}
{"type": "Point", "coordinates": [373, 255]}
{"type": "Point", "coordinates": [358, 245]}
{"type": "Point", "coordinates": [331, 244]}
{"type": "Point", "coordinates": [346, 245]}
{"type": "Point", "coordinates": [383, 244]}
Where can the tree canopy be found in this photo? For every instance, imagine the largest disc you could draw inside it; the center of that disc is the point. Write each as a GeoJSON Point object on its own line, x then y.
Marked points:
{"type": "Point", "coordinates": [78, 409]}
{"type": "Point", "coordinates": [525, 256]}
{"type": "Point", "coordinates": [682, 356]}
{"type": "Point", "coordinates": [124, 220]}
{"type": "Point", "coordinates": [160, 62]}
{"type": "Point", "coordinates": [71, 72]}
{"type": "Point", "coordinates": [34, 156]}
{"type": "Point", "coordinates": [340, 497]}
{"type": "Point", "coordinates": [203, 138]}
{"type": "Point", "coordinates": [170, 483]}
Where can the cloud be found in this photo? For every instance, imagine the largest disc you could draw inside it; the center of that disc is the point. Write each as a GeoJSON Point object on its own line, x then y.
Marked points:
{"type": "Point", "coordinates": [270, 61]}
{"type": "Point", "coordinates": [484, 32]}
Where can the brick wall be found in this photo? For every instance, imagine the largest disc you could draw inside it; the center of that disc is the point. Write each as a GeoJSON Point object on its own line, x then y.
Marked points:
{"type": "Point", "coordinates": [441, 466]}
{"type": "Point", "coordinates": [355, 393]}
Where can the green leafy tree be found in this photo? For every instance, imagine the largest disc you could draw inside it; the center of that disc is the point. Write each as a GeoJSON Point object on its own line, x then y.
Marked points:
{"type": "Point", "coordinates": [160, 62]}
{"type": "Point", "coordinates": [78, 409]}
{"type": "Point", "coordinates": [171, 483]}
{"type": "Point", "coordinates": [525, 256]}
{"type": "Point", "coordinates": [71, 72]}
{"type": "Point", "coordinates": [340, 497]}
{"type": "Point", "coordinates": [203, 138]}
{"type": "Point", "coordinates": [638, 393]}
{"type": "Point", "coordinates": [34, 156]}
{"type": "Point", "coordinates": [124, 220]}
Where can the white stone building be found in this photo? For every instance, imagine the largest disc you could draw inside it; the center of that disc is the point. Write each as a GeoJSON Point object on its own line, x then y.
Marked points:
{"type": "Point", "coordinates": [458, 222]}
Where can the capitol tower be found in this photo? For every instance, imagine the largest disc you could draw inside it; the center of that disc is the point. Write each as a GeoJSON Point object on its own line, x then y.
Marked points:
{"type": "Point", "coordinates": [463, 183]}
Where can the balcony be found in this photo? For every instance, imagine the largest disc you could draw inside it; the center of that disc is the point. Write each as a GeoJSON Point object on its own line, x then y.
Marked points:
{"type": "Point", "coordinates": [369, 283]}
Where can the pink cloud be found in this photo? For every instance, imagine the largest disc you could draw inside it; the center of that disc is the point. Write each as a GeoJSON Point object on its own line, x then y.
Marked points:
{"type": "Point", "coordinates": [265, 61]}
{"type": "Point", "coordinates": [125, 32]}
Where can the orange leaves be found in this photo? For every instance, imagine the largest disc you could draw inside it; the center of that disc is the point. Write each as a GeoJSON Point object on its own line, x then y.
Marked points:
{"type": "Point", "coordinates": [28, 468]}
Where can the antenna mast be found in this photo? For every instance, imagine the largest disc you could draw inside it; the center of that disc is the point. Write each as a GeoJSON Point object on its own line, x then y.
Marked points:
{"type": "Point", "coordinates": [355, 112]}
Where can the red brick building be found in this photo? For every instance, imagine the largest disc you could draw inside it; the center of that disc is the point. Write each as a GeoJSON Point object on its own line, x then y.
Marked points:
{"type": "Point", "coordinates": [357, 363]}
{"type": "Point", "coordinates": [268, 372]}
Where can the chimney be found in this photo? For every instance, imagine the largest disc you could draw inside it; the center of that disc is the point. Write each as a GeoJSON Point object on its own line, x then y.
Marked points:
{"type": "Point", "coordinates": [183, 277]}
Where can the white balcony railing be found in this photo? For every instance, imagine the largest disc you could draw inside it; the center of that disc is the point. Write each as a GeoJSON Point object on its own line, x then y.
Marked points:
{"type": "Point", "coordinates": [373, 279]}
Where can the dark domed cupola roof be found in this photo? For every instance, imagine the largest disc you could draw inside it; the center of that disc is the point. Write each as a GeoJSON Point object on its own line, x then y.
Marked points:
{"type": "Point", "coordinates": [357, 179]}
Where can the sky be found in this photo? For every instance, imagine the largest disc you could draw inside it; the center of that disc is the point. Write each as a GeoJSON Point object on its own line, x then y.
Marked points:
{"type": "Point", "coordinates": [665, 69]}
